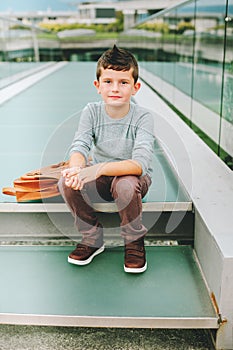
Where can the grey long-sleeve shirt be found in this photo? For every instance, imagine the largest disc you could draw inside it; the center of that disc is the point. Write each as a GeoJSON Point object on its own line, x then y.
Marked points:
{"type": "Point", "coordinates": [108, 139]}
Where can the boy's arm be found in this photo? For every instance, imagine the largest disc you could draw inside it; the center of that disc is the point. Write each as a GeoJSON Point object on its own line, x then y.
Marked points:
{"type": "Point", "coordinates": [123, 167]}
{"type": "Point", "coordinates": [120, 168]}
{"type": "Point", "coordinates": [77, 160]}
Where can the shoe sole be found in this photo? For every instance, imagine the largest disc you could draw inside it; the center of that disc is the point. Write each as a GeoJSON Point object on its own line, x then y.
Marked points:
{"type": "Point", "coordinates": [87, 261]}
{"type": "Point", "coordinates": [135, 270]}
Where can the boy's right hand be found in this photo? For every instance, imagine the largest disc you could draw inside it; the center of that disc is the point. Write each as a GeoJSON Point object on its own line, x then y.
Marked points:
{"type": "Point", "coordinates": [71, 177]}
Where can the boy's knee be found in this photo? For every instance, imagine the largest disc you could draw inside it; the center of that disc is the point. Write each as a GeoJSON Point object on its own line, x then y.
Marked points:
{"type": "Point", "coordinates": [126, 187]}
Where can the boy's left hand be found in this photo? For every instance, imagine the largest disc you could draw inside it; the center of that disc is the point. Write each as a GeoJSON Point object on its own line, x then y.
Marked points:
{"type": "Point", "coordinates": [88, 174]}
{"type": "Point", "coordinates": [77, 178]}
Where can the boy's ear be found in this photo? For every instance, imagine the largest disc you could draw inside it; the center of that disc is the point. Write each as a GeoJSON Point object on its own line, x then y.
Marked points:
{"type": "Point", "coordinates": [97, 85]}
{"type": "Point", "coordinates": [136, 88]}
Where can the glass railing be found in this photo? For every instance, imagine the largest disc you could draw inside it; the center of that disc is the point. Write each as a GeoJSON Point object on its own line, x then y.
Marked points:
{"type": "Point", "coordinates": [21, 42]}
{"type": "Point", "coordinates": [191, 48]}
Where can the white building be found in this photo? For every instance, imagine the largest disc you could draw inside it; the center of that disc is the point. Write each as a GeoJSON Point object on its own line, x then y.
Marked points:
{"type": "Point", "coordinates": [95, 12]}
{"type": "Point", "coordinates": [133, 11]}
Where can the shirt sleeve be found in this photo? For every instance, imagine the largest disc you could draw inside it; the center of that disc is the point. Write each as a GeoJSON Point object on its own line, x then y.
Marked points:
{"type": "Point", "coordinates": [144, 142]}
{"type": "Point", "coordinates": [83, 138]}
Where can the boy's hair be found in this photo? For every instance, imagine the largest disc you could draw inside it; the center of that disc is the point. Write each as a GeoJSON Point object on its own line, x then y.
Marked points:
{"type": "Point", "coordinates": [117, 59]}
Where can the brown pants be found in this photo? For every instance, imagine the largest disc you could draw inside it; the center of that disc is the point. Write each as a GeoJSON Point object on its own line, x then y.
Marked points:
{"type": "Point", "coordinates": [127, 192]}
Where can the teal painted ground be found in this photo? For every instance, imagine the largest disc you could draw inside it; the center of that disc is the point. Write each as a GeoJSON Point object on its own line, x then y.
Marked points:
{"type": "Point", "coordinates": [52, 267]}
{"type": "Point", "coordinates": [48, 285]}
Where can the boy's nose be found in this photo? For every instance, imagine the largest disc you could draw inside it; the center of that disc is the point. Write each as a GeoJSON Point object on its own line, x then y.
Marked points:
{"type": "Point", "coordinates": [115, 87]}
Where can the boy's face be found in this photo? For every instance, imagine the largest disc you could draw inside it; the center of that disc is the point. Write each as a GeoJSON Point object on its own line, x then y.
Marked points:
{"type": "Point", "coordinates": [116, 87]}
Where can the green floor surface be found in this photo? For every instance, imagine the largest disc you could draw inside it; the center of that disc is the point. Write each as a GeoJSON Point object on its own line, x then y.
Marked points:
{"type": "Point", "coordinates": [38, 280]}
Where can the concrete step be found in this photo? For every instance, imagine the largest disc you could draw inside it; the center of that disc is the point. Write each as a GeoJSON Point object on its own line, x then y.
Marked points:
{"type": "Point", "coordinates": [39, 287]}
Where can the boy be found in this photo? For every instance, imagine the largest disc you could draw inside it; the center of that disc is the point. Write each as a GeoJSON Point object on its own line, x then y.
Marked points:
{"type": "Point", "coordinates": [121, 137]}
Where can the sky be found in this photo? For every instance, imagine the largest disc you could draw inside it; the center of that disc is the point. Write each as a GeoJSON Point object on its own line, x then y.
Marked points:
{"type": "Point", "coordinates": [36, 5]}
{"type": "Point", "coordinates": [57, 5]}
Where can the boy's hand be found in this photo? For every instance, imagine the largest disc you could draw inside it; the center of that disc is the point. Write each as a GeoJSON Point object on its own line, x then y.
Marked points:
{"type": "Point", "coordinates": [71, 176]}
{"type": "Point", "coordinates": [76, 177]}
{"type": "Point", "coordinates": [89, 174]}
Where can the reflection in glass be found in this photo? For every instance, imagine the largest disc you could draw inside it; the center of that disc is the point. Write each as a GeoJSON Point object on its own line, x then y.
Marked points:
{"type": "Point", "coordinates": [193, 68]}
{"type": "Point", "coordinates": [226, 136]}
{"type": "Point", "coordinates": [209, 50]}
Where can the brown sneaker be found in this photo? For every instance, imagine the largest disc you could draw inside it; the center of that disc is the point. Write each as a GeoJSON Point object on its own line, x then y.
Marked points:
{"type": "Point", "coordinates": [135, 256]}
{"type": "Point", "coordinates": [84, 254]}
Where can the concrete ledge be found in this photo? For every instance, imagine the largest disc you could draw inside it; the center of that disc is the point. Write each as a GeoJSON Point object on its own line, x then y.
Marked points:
{"type": "Point", "coordinates": [43, 221]}
{"type": "Point", "coordinates": [209, 182]}
{"type": "Point", "coordinates": [113, 322]}
{"type": "Point", "coordinates": [102, 207]}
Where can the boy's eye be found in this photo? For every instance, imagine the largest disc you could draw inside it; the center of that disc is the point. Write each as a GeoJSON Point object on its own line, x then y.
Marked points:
{"type": "Point", "coordinates": [108, 81]}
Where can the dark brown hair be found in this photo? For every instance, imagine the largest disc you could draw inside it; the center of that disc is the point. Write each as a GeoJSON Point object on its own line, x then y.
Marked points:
{"type": "Point", "coordinates": [117, 59]}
